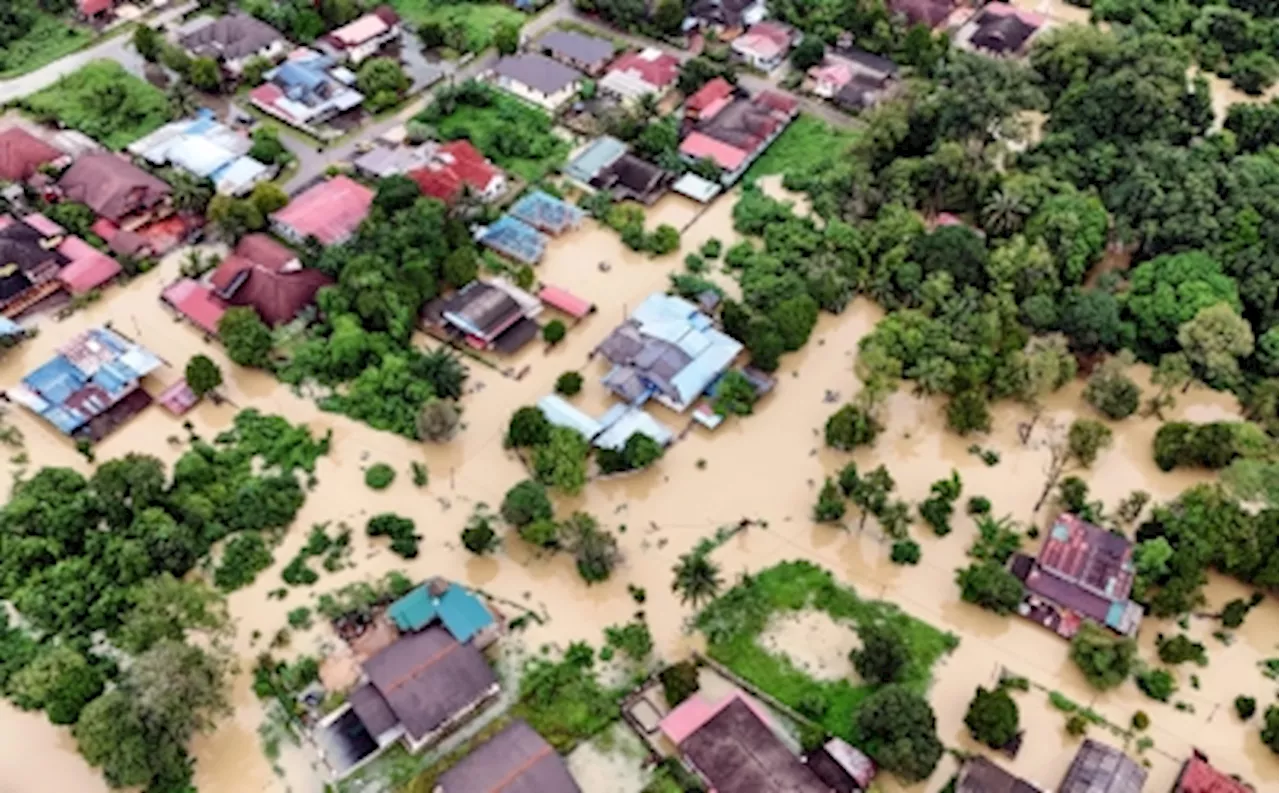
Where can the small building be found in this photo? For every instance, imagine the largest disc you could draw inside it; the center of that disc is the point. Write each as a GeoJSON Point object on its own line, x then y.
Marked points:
{"type": "Point", "coordinates": [366, 36]}
{"type": "Point", "coordinates": [91, 386]}
{"type": "Point", "coordinates": [1000, 30]}
{"type": "Point", "coordinates": [930, 13]}
{"type": "Point", "coordinates": [448, 604]}
{"type": "Point", "coordinates": [393, 159]}
{"type": "Point", "coordinates": [560, 413]}
{"type": "Point", "coordinates": [842, 768]}
{"type": "Point", "coordinates": [853, 79]}
{"type": "Point", "coordinates": [515, 239]}
{"type": "Point", "coordinates": [1100, 768]}
{"type": "Point", "coordinates": [1083, 572]}
{"type": "Point", "coordinates": [980, 775]}
{"type": "Point", "coordinates": [538, 79]}
{"type": "Point", "coordinates": [493, 315]}
{"type": "Point", "coordinates": [307, 90]}
{"type": "Point", "coordinates": [1197, 776]}
{"type": "Point", "coordinates": [589, 54]}
{"type": "Point", "coordinates": [765, 45]}
{"type": "Point", "coordinates": [232, 40]}
{"type": "Point", "coordinates": [594, 159]}
{"type": "Point", "coordinates": [724, 16]}
{"type": "Point", "coordinates": [41, 260]}
{"type": "Point", "coordinates": [732, 746]}
{"type": "Point", "coordinates": [116, 189]}
{"type": "Point", "coordinates": [22, 155]}
{"type": "Point", "coordinates": [620, 422]}
{"type": "Point", "coordinates": [329, 211]}
{"type": "Point", "coordinates": [516, 760]}
{"type": "Point", "coordinates": [545, 212]}
{"type": "Point", "coordinates": [565, 302]}
{"type": "Point", "coordinates": [647, 72]}
{"type": "Point", "coordinates": [708, 100]}
{"type": "Point", "coordinates": [606, 165]}
{"type": "Point", "coordinates": [733, 133]}
{"type": "Point", "coordinates": [450, 169]}
{"type": "Point", "coordinates": [205, 149]}
{"type": "Point", "coordinates": [95, 10]}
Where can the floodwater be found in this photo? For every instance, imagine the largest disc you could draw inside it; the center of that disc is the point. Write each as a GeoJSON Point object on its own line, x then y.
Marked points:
{"type": "Point", "coordinates": [766, 467]}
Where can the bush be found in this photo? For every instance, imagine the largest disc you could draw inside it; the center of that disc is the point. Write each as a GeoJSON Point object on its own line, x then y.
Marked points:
{"type": "Point", "coordinates": [478, 535]}
{"type": "Point", "coordinates": [245, 555]}
{"type": "Point", "coordinates": [554, 332]}
{"type": "Point", "coordinates": [1140, 720]}
{"type": "Point", "coordinates": [541, 533]}
{"type": "Point", "coordinates": [968, 412]}
{"type": "Point", "coordinates": [1245, 707]}
{"type": "Point", "coordinates": [978, 505]}
{"type": "Point", "coordinates": [1271, 729]}
{"type": "Point", "coordinates": [1157, 684]}
{"type": "Point", "coordinates": [419, 473]}
{"type": "Point", "coordinates": [992, 717]}
{"type": "Point", "coordinates": [1105, 660]}
{"type": "Point", "coordinates": [245, 337]}
{"type": "Point", "coordinates": [569, 383]}
{"type": "Point", "coordinates": [679, 682]}
{"type": "Point", "coordinates": [830, 507]}
{"type": "Point", "coordinates": [898, 729]}
{"type": "Point", "coordinates": [1181, 649]}
{"type": "Point", "coordinates": [632, 640]}
{"type": "Point", "coordinates": [404, 541]}
{"type": "Point", "coordinates": [1077, 725]}
{"type": "Point", "coordinates": [850, 427]}
{"type": "Point", "coordinates": [525, 503]}
{"type": "Point", "coordinates": [905, 552]}
{"type": "Point", "coordinates": [1214, 445]}
{"type": "Point", "coordinates": [379, 476]}
{"type": "Point", "coordinates": [202, 375]}
{"type": "Point", "coordinates": [883, 654]}
{"type": "Point", "coordinates": [711, 248]}
{"type": "Point", "coordinates": [991, 586]}
{"type": "Point", "coordinates": [1112, 392]}
{"type": "Point", "coordinates": [300, 618]}
{"type": "Point", "coordinates": [1234, 612]}
{"type": "Point", "coordinates": [528, 427]}
{"type": "Point", "coordinates": [1086, 439]}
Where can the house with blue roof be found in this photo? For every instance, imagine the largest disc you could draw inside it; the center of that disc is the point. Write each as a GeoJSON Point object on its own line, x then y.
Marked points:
{"type": "Point", "coordinates": [447, 604]}
{"type": "Point", "coordinates": [307, 90]}
{"type": "Point", "coordinates": [206, 149]}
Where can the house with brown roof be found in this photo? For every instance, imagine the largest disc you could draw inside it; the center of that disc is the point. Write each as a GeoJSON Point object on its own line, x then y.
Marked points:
{"type": "Point", "coordinates": [22, 154]}
{"type": "Point", "coordinates": [1000, 30]}
{"type": "Point", "coordinates": [980, 775]}
{"type": "Point", "coordinates": [415, 691]}
{"type": "Point", "coordinates": [1101, 768]}
{"type": "Point", "coordinates": [232, 40]}
{"type": "Point", "coordinates": [491, 315]}
{"type": "Point", "coordinates": [116, 189]}
{"type": "Point", "coordinates": [516, 760]}
{"type": "Point", "coordinates": [40, 261]}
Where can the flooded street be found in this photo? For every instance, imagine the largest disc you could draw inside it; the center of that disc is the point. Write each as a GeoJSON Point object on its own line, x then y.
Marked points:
{"type": "Point", "coordinates": [766, 467]}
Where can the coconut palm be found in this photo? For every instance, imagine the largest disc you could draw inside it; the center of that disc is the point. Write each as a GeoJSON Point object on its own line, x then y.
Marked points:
{"type": "Point", "coordinates": [190, 194]}
{"type": "Point", "coordinates": [1004, 212]}
{"type": "Point", "coordinates": [182, 100]}
{"type": "Point", "coordinates": [697, 578]}
{"type": "Point", "coordinates": [438, 422]}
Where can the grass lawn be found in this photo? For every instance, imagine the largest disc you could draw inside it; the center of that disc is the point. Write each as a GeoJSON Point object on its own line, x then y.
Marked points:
{"type": "Point", "coordinates": [809, 145]}
{"type": "Point", "coordinates": [514, 135]}
{"type": "Point", "coordinates": [104, 101]}
{"type": "Point", "coordinates": [476, 21]}
{"type": "Point", "coordinates": [47, 41]}
{"type": "Point", "coordinates": [735, 621]}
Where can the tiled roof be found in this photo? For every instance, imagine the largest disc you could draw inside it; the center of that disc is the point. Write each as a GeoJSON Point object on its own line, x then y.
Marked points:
{"type": "Point", "coordinates": [22, 154]}
{"type": "Point", "coordinates": [329, 211]}
{"type": "Point", "coordinates": [722, 154]}
{"type": "Point", "coordinates": [537, 72]}
{"type": "Point", "coordinates": [652, 65]}
{"type": "Point", "coordinates": [112, 186]}
{"type": "Point", "coordinates": [714, 91]}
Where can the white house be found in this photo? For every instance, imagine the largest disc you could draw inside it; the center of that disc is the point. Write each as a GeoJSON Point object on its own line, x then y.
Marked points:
{"type": "Point", "coordinates": [538, 79]}
{"type": "Point", "coordinates": [364, 37]}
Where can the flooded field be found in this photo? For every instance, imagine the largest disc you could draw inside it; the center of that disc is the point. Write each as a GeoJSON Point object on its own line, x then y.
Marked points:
{"type": "Point", "coordinates": [766, 467]}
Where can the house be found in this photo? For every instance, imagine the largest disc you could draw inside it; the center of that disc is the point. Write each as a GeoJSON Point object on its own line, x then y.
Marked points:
{"type": "Point", "coordinates": [667, 350]}
{"type": "Point", "coordinates": [232, 40]}
{"type": "Point", "coordinates": [545, 212]}
{"type": "Point", "coordinates": [392, 159]}
{"type": "Point", "coordinates": [733, 133]}
{"type": "Point", "coordinates": [115, 189]}
{"type": "Point", "coordinates": [1197, 776]}
{"type": "Point", "coordinates": [724, 15]}
{"type": "Point", "coordinates": [41, 260]}
{"type": "Point", "coordinates": [565, 302]}
{"type": "Point", "coordinates": [91, 386]}
{"type": "Point", "coordinates": [647, 72]}
{"type": "Point", "coordinates": [329, 211]}
{"type": "Point", "coordinates": [414, 691]}
{"type": "Point", "coordinates": [841, 767]}
{"type": "Point", "coordinates": [448, 604]}
{"type": "Point", "coordinates": [514, 238]}
{"type": "Point", "coordinates": [585, 53]}
{"type": "Point", "coordinates": [930, 13]}
{"type": "Point", "coordinates": [493, 315]}
{"type": "Point", "coordinates": [854, 79]}
{"type": "Point", "coordinates": [364, 37]}
{"type": "Point", "coordinates": [94, 10]}
{"type": "Point", "coordinates": [765, 45]}
{"type": "Point", "coordinates": [1083, 572]}
{"type": "Point", "coordinates": [1001, 30]}
{"type": "Point", "coordinates": [306, 90]}
{"type": "Point", "coordinates": [451, 168]}
{"type": "Point", "coordinates": [538, 79]}
{"type": "Point", "coordinates": [980, 775]}
{"type": "Point", "coordinates": [606, 165]}
{"type": "Point", "coordinates": [732, 746]}
{"type": "Point", "coordinates": [1099, 768]}
{"type": "Point", "coordinates": [708, 100]}
{"type": "Point", "coordinates": [23, 154]}
{"type": "Point", "coordinates": [205, 149]}
{"type": "Point", "coordinates": [516, 760]}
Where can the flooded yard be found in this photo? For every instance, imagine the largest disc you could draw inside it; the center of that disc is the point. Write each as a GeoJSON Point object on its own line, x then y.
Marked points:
{"type": "Point", "coordinates": [766, 467]}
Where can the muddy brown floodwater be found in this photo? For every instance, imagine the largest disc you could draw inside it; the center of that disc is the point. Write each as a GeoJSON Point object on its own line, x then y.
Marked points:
{"type": "Point", "coordinates": [767, 467]}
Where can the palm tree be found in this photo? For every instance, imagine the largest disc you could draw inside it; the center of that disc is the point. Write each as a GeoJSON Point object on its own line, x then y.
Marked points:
{"type": "Point", "coordinates": [190, 194]}
{"type": "Point", "coordinates": [1004, 212]}
{"type": "Point", "coordinates": [697, 578]}
{"type": "Point", "coordinates": [182, 100]}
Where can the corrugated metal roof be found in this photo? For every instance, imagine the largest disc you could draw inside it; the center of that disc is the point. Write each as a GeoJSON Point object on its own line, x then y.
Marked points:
{"type": "Point", "coordinates": [598, 155]}
{"type": "Point", "coordinates": [628, 423]}
{"type": "Point", "coordinates": [562, 414]}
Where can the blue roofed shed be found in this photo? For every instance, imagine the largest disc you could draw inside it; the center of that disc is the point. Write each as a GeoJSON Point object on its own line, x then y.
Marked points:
{"type": "Point", "coordinates": [598, 155]}
{"type": "Point", "coordinates": [455, 607]}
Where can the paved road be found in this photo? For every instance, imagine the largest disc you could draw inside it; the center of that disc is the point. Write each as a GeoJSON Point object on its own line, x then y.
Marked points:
{"type": "Point", "coordinates": [117, 48]}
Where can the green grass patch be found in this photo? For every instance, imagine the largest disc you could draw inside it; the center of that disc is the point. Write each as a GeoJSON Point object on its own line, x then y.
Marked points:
{"type": "Point", "coordinates": [809, 145]}
{"type": "Point", "coordinates": [516, 136]}
{"type": "Point", "coordinates": [467, 26]}
{"type": "Point", "coordinates": [564, 701]}
{"type": "Point", "coordinates": [104, 101]}
{"type": "Point", "coordinates": [734, 622]}
{"type": "Point", "coordinates": [49, 39]}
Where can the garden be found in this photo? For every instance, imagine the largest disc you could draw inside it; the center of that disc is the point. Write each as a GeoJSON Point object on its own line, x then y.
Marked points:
{"type": "Point", "coordinates": [807, 146]}
{"type": "Point", "coordinates": [463, 27]}
{"type": "Point", "coordinates": [104, 101]}
{"type": "Point", "coordinates": [34, 38]}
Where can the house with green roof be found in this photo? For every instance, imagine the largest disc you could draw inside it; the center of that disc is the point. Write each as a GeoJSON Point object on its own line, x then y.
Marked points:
{"type": "Point", "coordinates": [454, 607]}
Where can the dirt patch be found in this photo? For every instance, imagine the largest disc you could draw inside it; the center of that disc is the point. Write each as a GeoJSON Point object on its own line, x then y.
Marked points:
{"type": "Point", "coordinates": [814, 642]}
{"type": "Point", "coordinates": [612, 763]}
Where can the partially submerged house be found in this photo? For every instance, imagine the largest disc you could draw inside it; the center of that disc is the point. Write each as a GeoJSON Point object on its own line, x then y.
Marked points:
{"type": "Point", "coordinates": [206, 149]}
{"type": "Point", "coordinates": [647, 72]}
{"type": "Point", "coordinates": [538, 79]}
{"type": "Point", "coordinates": [732, 131]}
{"type": "Point", "coordinates": [307, 90]}
{"type": "Point", "coordinates": [364, 37]}
{"type": "Point", "coordinates": [1000, 30]}
{"type": "Point", "coordinates": [22, 155]}
{"type": "Point", "coordinates": [980, 775]}
{"type": "Point", "coordinates": [516, 760]}
{"type": "Point", "coordinates": [854, 79]}
{"type": "Point", "coordinates": [41, 261]}
{"type": "Point", "coordinates": [1082, 572]}
{"type": "Point", "coordinates": [841, 767]}
{"type": "Point", "coordinates": [116, 190]}
{"type": "Point", "coordinates": [724, 16]}
{"type": "Point", "coordinates": [232, 40]}
{"type": "Point", "coordinates": [492, 315]}
{"type": "Point", "coordinates": [765, 45]}
{"type": "Point", "coordinates": [605, 164]}
{"type": "Point", "coordinates": [589, 54]}
{"type": "Point", "coordinates": [450, 169]}
{"type": "Point", "coordinates": [1198, 776]}
{"type": "Point", "coordinates": [611, 430]}
{"type": "Point", "coordinates": [447, 604]}
{"type": "Point", "coordinates": [330, 211]}
{"type": "Point", "coordinates": [1100, 768]}
{"type": "Point", "coordinates": [667, 350]}
{"type": "Point", "coordinates": [91, 386]}
{"type": "Point", "coordinates": [545, 212]}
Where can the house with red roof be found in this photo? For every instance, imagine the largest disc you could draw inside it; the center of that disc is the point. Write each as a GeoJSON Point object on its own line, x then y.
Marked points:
{"type": "Point", "coordinates": [634, 74]}
{"type": "Point", "coordinates": [329, 211]}
{"type": "Point", "coordinates": [1197, 776]}
{"type": "Point", "coordinates": [708, 100]}
{"type": "Point", "coordinates": [43, 261]}
{"type": "Point", "coordinates": [94, 10]}
{"type": "Point", "coordinates": [732, 131]}
{"type": "Point", "coordinates": [765, 44]}
{"type": "Point", "coordinates": [22, 154]}
{"type": "Point", "coordinates": [456, 166]}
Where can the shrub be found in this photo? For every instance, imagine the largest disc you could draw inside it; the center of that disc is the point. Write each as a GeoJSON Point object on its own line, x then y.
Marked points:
{"type": "Point", "coordinates": [1077, 725]}
{"type": "Point", "coordinates": [525, 503]}
{"type": "Point", "coordinates": [1140, 720]}
{"type": "Point", "coordinates": [1157, 684]}
{"type": "Point", "coordinates": [991, 586]}
{"type": "Point", "coordinates": [404, 542]}
{"type": "Point", "coordinates": [1111, 391]}
{"type": "Point", "coordinates": [478, 535]}
{"type": "Point", "coordinates": [202, 375]}
{"type": "Point", "coordinates": [1245, 707]}
{"type": "Point", "coordinates": [978, 505]}
{"type": "Point", "coordinates": [632, 640]}
{"type": "Point", "coordinates": [850, 427]}
{"type": "Point", "coordinates": [905, 552]}
{"type": "Point", "coordinates": [711, 248]}
{"type": "Point", "coordinates": [883, 654]}
{"type": "Point", "coordinates": [1213, 445]}
{"type": "Point", "coordinates": [554, 332]}
{"type": "Point", "coordinates": [679, 682]}
{"type": "Point", "coordinates": [419, 473]}
{"type": "Point", "coordinates": [541, 533]}
{"type": "Point", "coordinates": [830, 507]}
{"type": "Point", "coordinates": [569, 383]}
{"type": "Point", "coordinates": [300, 618]}
{"type": "Point", "coordinates": [379, 476]}
{"type": "Point", "coordinates": [992, 717]}
{"type": "Point", "coordinates": [1104, 659]}
{"type": "Point", "coordinates": [1234, 612]}
{"type": "Point", "coordinates": [297, 573]}
{"type": "Point", "coordinates": [528, 427]}
{"type": "Point", "coordinates": [1181, 649]}
{"type": "Point", "coordinates": [1271, 729]}
{"type": "Point", "coordinates": [1086, 439]}
{"type": "Point", "coordinates": [245, 555]}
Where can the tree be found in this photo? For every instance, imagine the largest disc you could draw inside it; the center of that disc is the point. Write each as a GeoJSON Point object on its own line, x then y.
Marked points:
{"type": "Point", "coordinates": [870, 493]}
{"type": "Point", "coordinates": [594, 550]}
{"type": "Point", "coordinates": [267, 197]}
{"type": "Point", "coordinates": [553, 332]}
{"type": "Point", "coordinates": [1086, 439]}
{"type": "Point", "coordinates": [1214, 341]}
{"type": "Point", "coordinates": [382, 81]}
{"type": "Point", "coordinates": [1157, 684]}
{"type": "Point", "coordinates": [444, 371]}
{"type": "Point", "coordinates": [59, 681]}
{"type": "Point", "coordinates": [1004, 212]}
{"type": "Point", "coordinates": [883, 655]}
{"type": "Point", "coordinates": [1173, 371]}
{"type": "Point", "coordinates": [460, 267]}
{"type": "Point", "coordinates": [992, 717]}
{"type": "Point", "coordinates": [664, 239]}
{"type": "Point", "coordinates": [506, 38]}
{"type": "Point", "coordinates": [967, 412]}
{"type": "Point", "coordinates": [1180, 649]}
{"type": "Point", "coordinates": [830, 507]}
{"type": "Point", "coordinates": [697, 578]}
{"type": "Point", "coordinates": [438, 421]}
{"type": "Point", "coordinates": [205, 74]}
{"type": "Point", "coordinates": [905, 552]}
{"type": "Point", "coordinates": [668, 16]}
{"type": "Point", "coordinates": [679, 682]}
{"type": "Point", "coordinates": [1045, 364]}
{"type": "Point", "coordinates": [111, 735]}
{"type": "Point", "coordinates": [528, 428]}
{"type": "Point", "coordinates": [166, 608]}
{"type": "Point", "coordinates": [734, 395]}
{"type": "Point", "coordinates": [1245, 707]}
{"type": "Point", "coordinates": [851, 426]}
{"type": "Point", "coordinates": [245, 337]}
{"type": "Point", "coordinates": [254, 71]}
{"type": "Point", "coordinates": [569, 383]}
{"type": "Point", "coordinates": [147, 42]}
{"type": "Point", "coordinates": [562, 461]}
{"type": "Point", "coordinates": [641, 451]}
{"type": "Point", "coordinates": [991, 586]}
{"type": "Point", "coordinates": [810, 52]}
{"type": "Point", "coordinates": [203, 375]}
{"type": "Point", "coordinates": [526, 502]}
{"type": "Point", "coordinates": [897, 727]}
{"type": "Point", "coordinates": [1105, 660]}
{"type": "Point", "coordinates": [234, 217]}
{"type": "Point", "coordinates": [401, 530]}
{"type": "Point", "coordinates": [1271, 728]}
{"type": "Point", "coordinates": [267, 147]}
{"type": "Point", "coordinates": [478, 535]}
{"type": "Point", "coordinates": [1168, 291]}
{"type": "Point", "coordinates": [1110, 389]}
{"type": "Point", "coordinates": [1256, 126]}
{"type": "Point", "coordinates": [1091, 318]}
{"type": "Point", "coordinates": [181, 100]}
